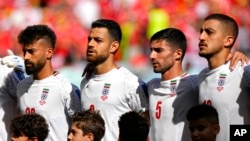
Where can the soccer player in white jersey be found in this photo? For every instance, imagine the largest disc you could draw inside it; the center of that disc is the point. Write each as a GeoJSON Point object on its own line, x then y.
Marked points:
{"type": "Point", "coordinates": [170, 96]}
{"type": "Point", "coordinates": [9, 78]}
{"type": "Point", "coordinates": [46, 91]}
{"type": "Point", "coordinates": [227, 91]}
{"type": "Point", "coordinates": [110, 89]}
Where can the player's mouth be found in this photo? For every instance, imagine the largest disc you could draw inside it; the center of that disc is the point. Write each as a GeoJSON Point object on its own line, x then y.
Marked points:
{"type": "Point", "coordinates": [154, 64]}
{"type": "Point", "coordinates": [28, 64]}
{"type": "Point", "coordinates": [90, 52]}
{"type": "Point", "coordinates": [202, 45]}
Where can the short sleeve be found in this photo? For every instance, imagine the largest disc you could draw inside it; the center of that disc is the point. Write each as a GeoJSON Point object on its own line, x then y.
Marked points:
{"type": "Point", "coordinates": [137, 95]}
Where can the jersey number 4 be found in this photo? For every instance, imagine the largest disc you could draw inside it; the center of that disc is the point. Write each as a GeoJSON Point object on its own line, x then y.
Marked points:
{"type": "Point", "coordinates": [158, 110]}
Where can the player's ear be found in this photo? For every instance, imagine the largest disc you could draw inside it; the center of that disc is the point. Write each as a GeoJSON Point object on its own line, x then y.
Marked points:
{"type": "Point", "coordinates": [216, 129]}
{"type": "Point", "coordinates": [229, 41]}
{"type": "Point", "coordinates": [178, 54]}
{"type": "Point", "coordinates": [114, 47]}
{"type": "Point", "coordinates": [49, 53]}
{"type": "Point", "coordinates": [90, 137]}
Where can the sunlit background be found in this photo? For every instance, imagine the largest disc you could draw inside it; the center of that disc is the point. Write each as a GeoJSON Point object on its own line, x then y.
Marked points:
{"type": "Point", "coordinates": [139, 19]}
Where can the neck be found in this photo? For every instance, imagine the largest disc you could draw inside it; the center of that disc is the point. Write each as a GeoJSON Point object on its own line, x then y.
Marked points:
{"type": "Point", "coordinates": [45, 72]}
{"type": "Point", "coordinates": [175, 71]}
{"type": "Point", "coordinates": [104, 67]}
{"type": "Point", "coordinates": [217, 60]}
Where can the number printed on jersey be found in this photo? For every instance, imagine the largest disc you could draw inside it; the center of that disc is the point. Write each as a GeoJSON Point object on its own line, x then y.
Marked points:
{"type": "Point", "coordinates": [158, 110]}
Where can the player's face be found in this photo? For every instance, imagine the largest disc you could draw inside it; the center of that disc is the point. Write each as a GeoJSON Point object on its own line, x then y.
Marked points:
{"type": "Point", "coordinates": [35, 56]}
{"type": "Point", "coordinates": [99, 45]}
{"type": "Point", "coordinates": [162, 56]}
{"type": "Point", "coordinates": [202, 130]}
{"type": "Point", "coordinates": [76, 134]}
{"type": "Point", "coordinates": [211, 38]}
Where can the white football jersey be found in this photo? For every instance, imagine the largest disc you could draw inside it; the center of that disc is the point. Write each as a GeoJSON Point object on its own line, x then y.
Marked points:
{"type": "Point", "coordinates": [169, 102]}
{"type": "Point", "coordinates": [8, 83]}
{"type": "Point", "coordinates": [227, 91]}
{"type": "Point", "coordinates": [55, 98]}
{"type": "Point", "coordinates": [113, 94]}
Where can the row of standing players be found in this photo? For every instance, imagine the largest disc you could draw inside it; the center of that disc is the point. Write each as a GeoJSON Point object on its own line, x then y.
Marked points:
{"type": "Point", "coordinates": [113, 90]}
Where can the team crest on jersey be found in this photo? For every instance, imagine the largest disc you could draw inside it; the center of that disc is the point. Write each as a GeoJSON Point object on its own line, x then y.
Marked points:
{"type": "Point", "coordinates": [173, 87]}
{"type": "Point", "coordinates": [105, 91]}
{"type": "Point", "coordinates": [44, 96]}
{"type": "Point", "coordinates": [221, 81]}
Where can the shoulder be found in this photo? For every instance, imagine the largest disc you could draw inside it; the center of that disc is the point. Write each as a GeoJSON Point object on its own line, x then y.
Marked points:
{"type": "Point", "coordinates": [61, 78]}
{"type": "Point", "coordinates": [153, 81]}
{"type": "Point", "coordinates": [26, 80]}
{"type": "Point", "coordinates": [246, 76]}
{"type": "Point", "coordinates": [25, 84]}
{"type": "Point", "coordinates": [203, 74]}
{"type": "Point", "coordinates": [129, 76]}
{"type": "Point", "coordinates": [126, 72]}
{"type": "Point", "coordinates": [62, 81]}
{"type": "Point", "coordinates": [131, 80]}
{"type": "Point", "coordinates": [190, 80]}
{"type": "Point", "coordinates": [204, 71]}
{"type": "Point", "coordinates": [247, 68]}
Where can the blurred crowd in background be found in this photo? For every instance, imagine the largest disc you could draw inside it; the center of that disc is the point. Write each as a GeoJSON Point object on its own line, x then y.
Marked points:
{"type": "Point", "coordinates": [139, 19]}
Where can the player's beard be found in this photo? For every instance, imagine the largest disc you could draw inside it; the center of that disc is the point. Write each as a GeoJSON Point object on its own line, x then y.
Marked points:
{"type": "Point", "coordinates": [34, 68]}
{"type": "Point", "coordinates": [98, 59]}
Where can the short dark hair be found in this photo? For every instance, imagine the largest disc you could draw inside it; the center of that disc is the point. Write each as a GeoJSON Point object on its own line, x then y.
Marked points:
{"type": "Point", "coordinates": [227, 21]}
{"type": "Point", "coordinates": [113, 28]}
{"type": "Point", "coordinates": [133, 127]}
{"type": "Point", "coordinates": [174, 37]}
{"type": "Point", "coordinates": [35, 32]}
{"type": "Point", "coordinates": [203, 111]}
{"type": "Point", "coordinates": [90, 121]}
{"type": "Point", "coordinates": [30, 125]}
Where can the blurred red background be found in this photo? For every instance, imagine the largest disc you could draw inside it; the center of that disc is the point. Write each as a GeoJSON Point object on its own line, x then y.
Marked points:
{"type": "Point", "coordinates": [139, 19]}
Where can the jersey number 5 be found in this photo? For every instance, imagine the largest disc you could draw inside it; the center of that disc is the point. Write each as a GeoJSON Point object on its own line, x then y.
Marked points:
{"type": "Point", "coordinates": [158, 110]}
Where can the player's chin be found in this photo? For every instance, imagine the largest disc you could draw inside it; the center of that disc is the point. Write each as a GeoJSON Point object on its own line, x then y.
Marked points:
{"type": "Point", "coordinates": [29, 72]}
{"type": "Point", "coordinates": [90, 58]}
{"type": "Point", "coordinates": [156, 70]}
{"type": "Point", "coordinates": [202, 54]}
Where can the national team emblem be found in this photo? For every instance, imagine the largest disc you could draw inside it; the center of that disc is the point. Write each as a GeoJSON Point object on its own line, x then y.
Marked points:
{"type": "Point", "coordinates": [221, 81]}
{"type": "Point", "coordinates": [105, 91]}
{"type": "Point", "coordinates": [173, 87]}
{"type": "Point", "coordinates": [44, 96]}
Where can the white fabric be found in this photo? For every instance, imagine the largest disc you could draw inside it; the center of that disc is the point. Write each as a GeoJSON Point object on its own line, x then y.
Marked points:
{"type": "Point", "coordinates": [228, 92]}
{"type": "Point", "coordinates": [169, 102]}
{"type": "Point", "coordinates": [113, 94]}
{"type": "Point", "coordinates": [54, 97]}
